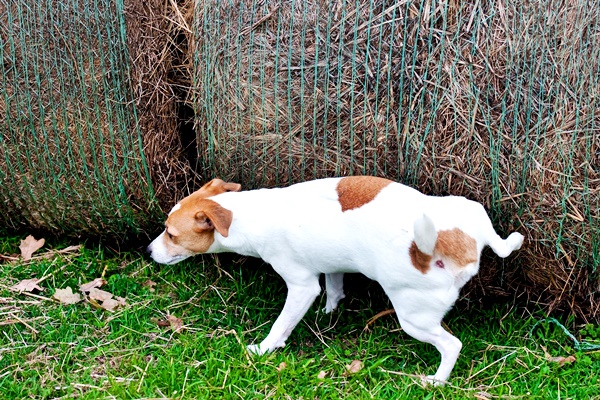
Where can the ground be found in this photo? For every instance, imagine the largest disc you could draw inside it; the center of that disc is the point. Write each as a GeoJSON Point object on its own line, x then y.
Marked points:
{"type": "Point", "coordinates": [183, 329]}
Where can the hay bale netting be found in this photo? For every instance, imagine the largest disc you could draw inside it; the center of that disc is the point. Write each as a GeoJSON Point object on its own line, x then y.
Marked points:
{"type": "Point", "coordinates": [84, 111]}
{"type": "Point", "coordinates": [497, 101]}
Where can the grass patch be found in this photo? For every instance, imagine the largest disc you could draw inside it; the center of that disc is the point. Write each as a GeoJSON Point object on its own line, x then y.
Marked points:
{"type": "Point", "coordinates": [49, 350]}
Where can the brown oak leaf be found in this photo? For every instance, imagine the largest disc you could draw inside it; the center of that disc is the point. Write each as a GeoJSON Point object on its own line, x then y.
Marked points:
{"type": "Point", "coordinates": [66, 296]}
{"type": "Point", "coordinates": [150, 285]}
{"type": "Point", "coordinates": [282, 366]}
{"type": "Point", "coordinates": [105, 300]}
{"type": "Point", "coordinates": [354, 367]}
{"type": "Point", "coordinates": [562, 360]}
{"type": "Point", "coordinates": [176, 323]}
{"type": "Point", "coordinates": [30, 245]}
{"type": "Point", "coordinates": [160, 322]}
{"type": "Point", "coordinates": [99, 295]}
{"type": "Point", "coordinates": [96, 283]}
{"type": "Point", "coordinates": [27, 285]}
{"type": "Point", "coordinates": [113, 304]}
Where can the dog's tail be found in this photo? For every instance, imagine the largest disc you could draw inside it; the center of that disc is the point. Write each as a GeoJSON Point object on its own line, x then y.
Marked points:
{"type": "Point", "coordinates": [504, 247]}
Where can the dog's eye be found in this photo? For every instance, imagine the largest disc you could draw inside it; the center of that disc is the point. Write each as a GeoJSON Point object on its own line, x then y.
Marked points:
{"type": "Point", "coordinates": [168, 234]}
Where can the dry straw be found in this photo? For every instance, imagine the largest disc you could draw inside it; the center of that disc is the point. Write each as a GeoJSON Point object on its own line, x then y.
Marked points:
{"type": "Point", "coordinates": [494, 100]}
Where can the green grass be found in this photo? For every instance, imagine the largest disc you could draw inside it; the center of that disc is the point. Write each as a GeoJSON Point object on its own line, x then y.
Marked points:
{"type": "Point", "coordinates": [49, 350]}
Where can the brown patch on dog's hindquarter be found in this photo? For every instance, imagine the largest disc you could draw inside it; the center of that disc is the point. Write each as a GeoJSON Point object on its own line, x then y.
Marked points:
{"type": "Point", "coordinates": [419, 259]}
{"type": "Point", "coordinates": [458, 246]}
{"type": "Point", "coordinates": [356, 191]}
{"type": "Point", "coordinates": [451, 244]}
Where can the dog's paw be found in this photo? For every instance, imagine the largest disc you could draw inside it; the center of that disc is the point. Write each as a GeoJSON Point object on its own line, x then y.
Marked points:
{"type": "Point", "coordinates": [255, 349]}
{"type": "Point", "coordinates": [431, 380]}
{"type": "Point", "coordinates": [333, 302]}
{"type": "Point", "coordinates": [328, 309]}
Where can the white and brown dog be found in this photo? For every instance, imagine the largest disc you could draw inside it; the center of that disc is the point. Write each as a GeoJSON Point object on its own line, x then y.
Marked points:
{"type": "Point", "coordinates": [421, 249]}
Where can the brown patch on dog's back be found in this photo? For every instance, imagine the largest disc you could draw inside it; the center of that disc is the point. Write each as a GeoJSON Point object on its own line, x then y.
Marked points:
{"type": "Point", "coordinates": [356, 191]}
{"type": "Point", "coordinates": [419, 259]}
{"type": "Point", "coordinates": [458, 246]}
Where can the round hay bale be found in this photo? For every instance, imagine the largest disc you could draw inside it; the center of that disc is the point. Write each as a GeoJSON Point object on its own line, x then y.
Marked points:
{"type": "Point", "coordinates": [89, 130]}
{"type": "Point", "coordinates": [496, 101]}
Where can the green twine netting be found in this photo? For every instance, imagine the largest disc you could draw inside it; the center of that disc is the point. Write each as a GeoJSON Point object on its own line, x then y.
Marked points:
{"type": "Point", "coordinates": [579, 345]}
{"type": "Point", "coordinates": [495, 100]}
{"type": "Point", "coordinates": [498, 101]}
{"type": "Point", "coordinates": [71, 157]}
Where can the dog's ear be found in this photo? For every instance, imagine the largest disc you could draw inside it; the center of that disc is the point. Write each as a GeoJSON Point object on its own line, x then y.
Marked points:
{"type": "Point", "coordinates": [220, 186]}
{"type": "Point", "coordinates": [213, 216]}
{"type": "Point", "coordinates": [425, 234]}
{"type": "Point", "coordinates": [212, 184]}
{"type": "Point", "coordinates": [232, 187]}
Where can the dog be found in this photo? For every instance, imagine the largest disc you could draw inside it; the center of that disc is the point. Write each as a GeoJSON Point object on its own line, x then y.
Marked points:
{"type": "Point", "coordinates": [421, 249]}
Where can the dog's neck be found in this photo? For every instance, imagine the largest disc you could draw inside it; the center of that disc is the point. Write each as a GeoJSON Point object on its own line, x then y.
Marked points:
{"type": "Point", "coordinates": [250, 227]}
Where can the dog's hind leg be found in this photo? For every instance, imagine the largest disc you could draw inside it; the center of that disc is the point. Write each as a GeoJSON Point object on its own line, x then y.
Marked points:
{"type": "Point", "coordinates": [423, 323]}
{"type": "Point", "coordinates": [299, 298]}
{"type": "Point", "coordinates": [334, 287]}
{"type": "Point", "coordinates": [448, 346]}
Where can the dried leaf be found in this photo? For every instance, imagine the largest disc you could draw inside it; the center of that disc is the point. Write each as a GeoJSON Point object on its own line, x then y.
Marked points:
{"type": "Point", "coordinates": [281, 366]}
{"type": "Point", "coordinates": [100, 295]}
{"type": "Point", "coordinates": [160, 322]}
{"type": "Point", "coordinates": [96, 283]}
{"type": "Point", "coordinates": [105, 300]}
{"type": "Point", "coordinates": [27, 285]}
{"type": "Point", "coordinates": [113, 304]}
{"type": "Point", "coordinates": [354, 367]}
{"type": "Point", "coordinates": [29, 246]}
{"type": "Point", "coordinates": [562, 360]}
{"type": "Point", "coordinates": [176, 323]}
{"type": "Point", "coordinates": [66, 296]}
{"type": "Point", "coordinates": [322, 375]}
{"type": "Point", "coordinates": [149, 284]}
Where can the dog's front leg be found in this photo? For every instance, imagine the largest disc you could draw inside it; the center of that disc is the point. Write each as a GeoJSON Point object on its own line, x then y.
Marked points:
{"type": "Point", "coordinates": [299, 298]}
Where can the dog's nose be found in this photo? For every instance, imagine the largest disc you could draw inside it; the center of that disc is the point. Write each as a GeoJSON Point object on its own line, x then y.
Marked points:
{"type": "Point", "coordinates": [149, 249]}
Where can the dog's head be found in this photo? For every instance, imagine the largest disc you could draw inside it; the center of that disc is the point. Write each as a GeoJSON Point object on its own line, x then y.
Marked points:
{"type": "Point", "coordinates": [191, 224]}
